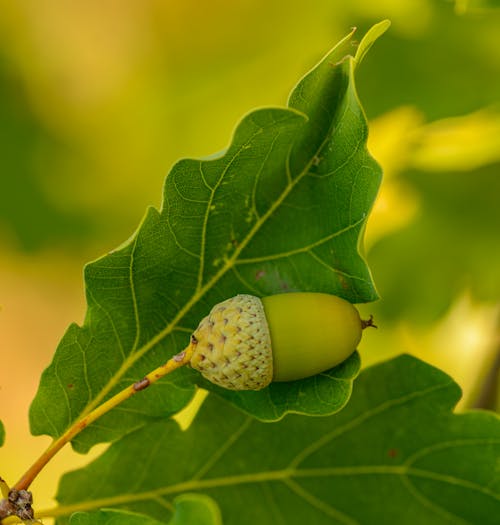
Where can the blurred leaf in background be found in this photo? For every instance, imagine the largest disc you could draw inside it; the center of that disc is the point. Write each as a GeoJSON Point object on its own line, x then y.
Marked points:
{"type": "Point", "coordinates": [28, 217]}
{"type": "Point", "coordinates": [433, 238]}
{"type": "Point", "coordinates": [98, 99]}
{"type": "Point", "coordinates": [475, 6]}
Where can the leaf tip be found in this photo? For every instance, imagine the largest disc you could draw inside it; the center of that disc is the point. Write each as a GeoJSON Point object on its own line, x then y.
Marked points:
{"type": "Point", "coordinates": [370, 37]}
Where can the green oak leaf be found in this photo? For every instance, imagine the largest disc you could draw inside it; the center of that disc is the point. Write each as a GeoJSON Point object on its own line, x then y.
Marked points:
{"type": "Point", "coordinates": [395, 454]}
{"type": "Point", "coordinates": [283, 209]}
{"type": "Point", "coordinates": [190, 509]}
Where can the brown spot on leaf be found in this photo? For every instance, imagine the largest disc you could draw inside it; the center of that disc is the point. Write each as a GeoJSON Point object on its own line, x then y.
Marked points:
{"type": "Point", "coordinates": [343, 282]}
{"type": "Point", "coordinates": [259, 274]}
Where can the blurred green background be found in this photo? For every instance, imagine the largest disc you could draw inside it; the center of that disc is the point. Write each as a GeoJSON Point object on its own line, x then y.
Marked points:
{"type": "Point", "coordinates": [99, 98]}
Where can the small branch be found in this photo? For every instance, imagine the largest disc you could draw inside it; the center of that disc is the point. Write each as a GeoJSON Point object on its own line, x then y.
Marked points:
{"type": "Point", "coordinates": [172, 364]}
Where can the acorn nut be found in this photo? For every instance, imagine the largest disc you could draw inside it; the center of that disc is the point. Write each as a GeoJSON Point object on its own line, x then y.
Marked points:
{"type": "Point", "coordinates": [245, 342]}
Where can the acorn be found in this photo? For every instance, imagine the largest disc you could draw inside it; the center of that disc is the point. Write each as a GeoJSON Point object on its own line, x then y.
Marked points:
{"type": "Point", "coordinates": [245, 342]}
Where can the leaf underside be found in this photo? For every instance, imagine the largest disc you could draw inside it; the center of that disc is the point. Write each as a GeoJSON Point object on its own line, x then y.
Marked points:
{"type": "Point", "coordinates": [395, 454]}
{"type": "Point", "coordinates": [282, 210]}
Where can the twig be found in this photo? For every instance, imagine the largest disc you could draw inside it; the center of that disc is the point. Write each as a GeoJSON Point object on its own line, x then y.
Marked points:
{"type": "Point", "coordinates": [172, 364]}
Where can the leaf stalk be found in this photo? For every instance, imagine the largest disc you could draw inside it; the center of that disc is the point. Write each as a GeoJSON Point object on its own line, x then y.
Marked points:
{"type": "Point", "coordinates": [177, 361]}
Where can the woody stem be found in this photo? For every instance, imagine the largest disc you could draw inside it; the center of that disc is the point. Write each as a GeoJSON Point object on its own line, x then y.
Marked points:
{"type": "Point", "coordinates": [172, 364]}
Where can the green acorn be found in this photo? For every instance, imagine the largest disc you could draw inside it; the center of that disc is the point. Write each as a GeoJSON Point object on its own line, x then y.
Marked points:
{"type": "Point", "coordinates": [245, 342]}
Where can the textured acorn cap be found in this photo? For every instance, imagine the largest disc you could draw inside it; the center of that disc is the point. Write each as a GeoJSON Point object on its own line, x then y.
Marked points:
{"type": "Point", "coordinates": [233, 348]}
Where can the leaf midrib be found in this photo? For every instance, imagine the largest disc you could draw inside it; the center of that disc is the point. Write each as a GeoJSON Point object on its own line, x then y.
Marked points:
{"type": "Point", "coordinates": [406, 470]}
{"type": "Point", "coordinates": [266, 476]}
{"type": "Point", "coordinates": [229, 263]}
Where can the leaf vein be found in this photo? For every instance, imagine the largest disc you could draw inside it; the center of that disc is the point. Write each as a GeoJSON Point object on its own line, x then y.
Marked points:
{"type": "Point", "coordinates": [452, 480]}
{"type": "Point", "coordinates": [302, 249]}
{"type": "Point", "coordinates": [449, 444]}
{"type": "Point", "coordinates": [319, 504]}
{"type": "Point", "coordinates": [228, 443]}
{"type": "Point", "coordinates": [133, 295]}
{"type": "Point", "coordinates": [244, 282]}
{"type": "Point", "coordinates": [362, 418]}
{"type": "Point", "coordinates": [208, 208]}
{"type": "Point", "coordinates": [333, 269]}
{"type": "Point", "coordinates": [433, 507]}
{"type": "Point", "coordinates": [111, 320]}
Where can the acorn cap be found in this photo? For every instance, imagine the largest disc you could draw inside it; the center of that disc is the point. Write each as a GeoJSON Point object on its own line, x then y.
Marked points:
{"type": "Point", "coordinates": [233, 345]}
